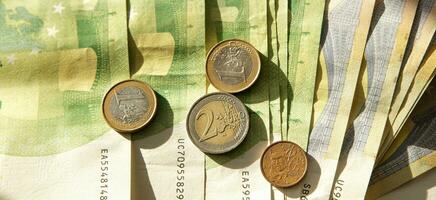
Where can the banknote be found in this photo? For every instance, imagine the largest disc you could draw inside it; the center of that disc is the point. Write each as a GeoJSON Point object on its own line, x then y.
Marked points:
{"type": "Point", "coordinates": [421, 187]}
{"type": "Point", "coordinates": [305, 23]}
{"type": "Point", "coordinates": [346, 26]}
{"type": "Point", "coordinates": [167, 51]}
{"type": "Point", "coordinates": [422, 33]}
{"type": "Point", "coordinates": [423, 77]}
{"type": "Point", "coordinates": [282, 53]}
{"type": "Point", "coordinates": [389, 33]}
{"type": "Point", "coordinates": [303, 47]}
{"type": "Point", "coordinates": [273, 72]}
{"type": "Point", "coordinates": [57, 60]}
{"type": "Point", "coordinates": [415, 155]}
{"type": "Point", "coordinates": [238, 172]}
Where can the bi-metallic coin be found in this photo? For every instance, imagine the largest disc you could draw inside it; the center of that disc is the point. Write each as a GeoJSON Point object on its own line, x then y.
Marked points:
{"type": "Point", "coordinates": [217, 123]}
{"type": "Point", "coordinates": [129, 106]}
{"type": "Point", "coordinates": [233, 65]}
{"type": "Point", "coordinates": [283, 164]}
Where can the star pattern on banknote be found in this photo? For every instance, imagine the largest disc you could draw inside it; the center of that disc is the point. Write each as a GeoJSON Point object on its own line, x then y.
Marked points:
{"type": "Point", "coordinates": [35, 50]}
{"type": "Point", "coordinates": [52, 31]}
{"type": "Point", "coordinates": [11, 59]}
{"type": "Point", "coordinates": [58, 8]}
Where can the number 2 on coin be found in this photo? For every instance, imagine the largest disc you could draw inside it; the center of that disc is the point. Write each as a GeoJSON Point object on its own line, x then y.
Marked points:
{"type": "Point", "coordinates": [209, 116]}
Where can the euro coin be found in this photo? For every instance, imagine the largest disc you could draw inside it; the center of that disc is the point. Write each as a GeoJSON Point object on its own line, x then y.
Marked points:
{"type": "Point", "coordinates": [283, 164]}
{"type": "Point", "coordinates": [217, 123]}
{"type": "Point", "coordinates": [233, 65]}
{"type": "Point", "coordinates": [129, 106]}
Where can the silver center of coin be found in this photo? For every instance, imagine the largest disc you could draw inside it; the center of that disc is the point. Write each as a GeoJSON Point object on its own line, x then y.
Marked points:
{"type": "Point", "coordinates": [233, 65]}
{"type": "Point", "coordinates": [129, 104]}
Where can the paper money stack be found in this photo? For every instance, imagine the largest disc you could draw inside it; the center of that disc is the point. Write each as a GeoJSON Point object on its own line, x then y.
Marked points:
{"type": "Point", "coordinates": [349, 81]}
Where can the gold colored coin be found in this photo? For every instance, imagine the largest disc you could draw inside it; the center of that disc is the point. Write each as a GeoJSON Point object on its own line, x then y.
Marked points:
{"type": "Point", "coordinates": [129, 106]}
{"type": "Point", "coordinates": [283, 164]}
{"type": "Point", "coordinates": [217, 123]}
{"type": "Point", "coordinates": [233, 65]}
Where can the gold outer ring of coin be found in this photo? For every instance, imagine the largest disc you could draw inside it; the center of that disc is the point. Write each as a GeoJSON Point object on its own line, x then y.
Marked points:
{"type": "Point", "coordinates": [294, 182]}
{"type": "Point", "coordinates": [148, 117]}
{"type": "Point", "coordinates": [214, 80]}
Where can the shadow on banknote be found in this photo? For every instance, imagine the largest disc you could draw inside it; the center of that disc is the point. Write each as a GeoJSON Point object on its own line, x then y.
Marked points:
{"type": "Point", "coordinates": [249, 151]}
{"type": "Point", "coordinates": [314, 169]}
{"type": "Point", "coordinates": [411, 158]}
{"type": "Point", "coordinates": [140, 181]}
{"type": "Point", "coordinates": [163, 120]}
{"type": "Point", "coordinates": [256, 93]}
{"type": "Point", "coordinates": [159, 133]}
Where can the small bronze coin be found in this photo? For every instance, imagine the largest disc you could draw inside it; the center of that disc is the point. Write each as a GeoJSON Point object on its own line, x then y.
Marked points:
{"type": "Point", "coordinates": [283, 164]}
{"type": "Point", "coordinates": [129, 106]}
{"type": "Point", "coordinates": [217, 123]}
{"type": "Point", "coordinates": [233, 65]}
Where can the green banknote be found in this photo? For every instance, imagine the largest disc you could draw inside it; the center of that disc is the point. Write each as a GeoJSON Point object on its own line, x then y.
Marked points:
{"type": "Point", "coordinates": [422, 32]}
{"type": "Point", "coordinates": [167, 50]}
{"type": "Point", "coordinates": [234, 171]}
{"type": "Point", "coordinates": [346, 26]}
{"type": "Point", "coordinates": [305, 25]}
{"type": "Point", "coordinates": [413, 151]}
{"type": "Point", "coordinates": [303, 46]}
{"type": "Point", "coordinates": [57, 60]}
{"type": "Point", "coordinates": [282, 53]}
{"type": "Point", "coordinates": [390, 30]}
{"type": "Point", "coordinates": [273, 71]}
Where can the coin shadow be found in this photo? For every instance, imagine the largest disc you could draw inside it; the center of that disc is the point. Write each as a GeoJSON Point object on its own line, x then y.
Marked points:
{"type": "Point", "coordinates": [163, 120]}
{"type": "Point", "coordinates": [141, 187]}
{"type": "Point", "coordinates": [256, 93]}
{"type": "Point", "coordinates": [313, 167]}
{"type": "Point", "coordinates": [250, 150]}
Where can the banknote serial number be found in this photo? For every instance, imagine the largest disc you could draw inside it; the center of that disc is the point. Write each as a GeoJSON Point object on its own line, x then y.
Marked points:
{"type": "Point", "coordinates": [245, 185]}
{"type": "Point", "coordinates": [305, 191]}
{"type": "Point", "coordinates": [180, 183]}
{"type": "Point", "coordinates": [337, 190]}
{"type": "Point", "coordinates": [104, 170]}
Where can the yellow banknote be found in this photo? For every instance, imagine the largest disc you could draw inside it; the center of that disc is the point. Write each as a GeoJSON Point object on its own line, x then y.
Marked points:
{"type": "Point", "coordinates": [422, 32]}
{"type": "Point", "coordinates": [416, 153]}
{"type": "Point", "coordinates": [346, 27]}
{"type": "Point", "coordinates": [390, 30]}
